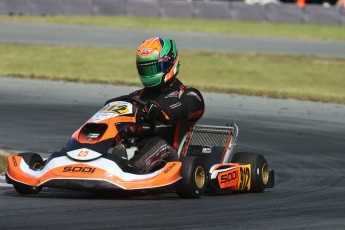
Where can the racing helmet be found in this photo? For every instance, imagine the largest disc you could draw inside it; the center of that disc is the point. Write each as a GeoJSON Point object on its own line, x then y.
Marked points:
{"type": "Point", "coordinates": [157, 61]}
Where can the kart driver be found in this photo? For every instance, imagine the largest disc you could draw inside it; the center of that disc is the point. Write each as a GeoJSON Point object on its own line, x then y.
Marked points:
{"type": "Point", "coordinates": [175, 108]}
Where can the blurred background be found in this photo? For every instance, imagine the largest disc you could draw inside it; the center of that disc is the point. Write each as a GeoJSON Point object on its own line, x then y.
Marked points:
{"type": "Point", "coordinates": [295, 11]}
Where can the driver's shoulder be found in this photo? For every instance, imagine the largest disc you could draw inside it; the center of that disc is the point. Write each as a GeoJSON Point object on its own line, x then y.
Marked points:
{"type": "Point", "coordinates": [192, 92]}
{"type": "Point", "coordinates": [137, 93]}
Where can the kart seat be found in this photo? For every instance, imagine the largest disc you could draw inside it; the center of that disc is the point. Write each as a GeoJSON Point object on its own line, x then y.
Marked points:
{"type": "Point", "coordinates": [204, 139]}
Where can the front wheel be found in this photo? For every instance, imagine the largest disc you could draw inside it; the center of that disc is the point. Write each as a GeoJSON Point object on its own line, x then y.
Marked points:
{"type": "Point", "coordinates": [194, 178]}
{"type": "Point", "coordinates": [34, 161]}
{"type": "Point", "coordinates": [259, 173]}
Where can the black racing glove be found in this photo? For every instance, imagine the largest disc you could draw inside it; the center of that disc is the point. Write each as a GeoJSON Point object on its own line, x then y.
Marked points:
{"type": "Point", "coordinates": [152, 110]}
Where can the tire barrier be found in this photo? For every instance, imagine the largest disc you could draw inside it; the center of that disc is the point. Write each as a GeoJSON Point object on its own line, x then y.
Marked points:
{"type": "Point", "coordinates": [282, 13]}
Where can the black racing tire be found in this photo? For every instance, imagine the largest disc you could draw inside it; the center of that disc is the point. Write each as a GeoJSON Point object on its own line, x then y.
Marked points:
{"type": "Point", "coordinates": [259, 172]}
{"type": "Point", "coordinates": [35, 162]}
{"type": "Point", "coordinates": [194, 178]}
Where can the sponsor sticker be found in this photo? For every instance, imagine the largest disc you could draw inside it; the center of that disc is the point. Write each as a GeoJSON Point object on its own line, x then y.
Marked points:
{"type": "Point", "coordinates": [228, 178]}
{"type": "Point", "coordinates": [170, 167]}
{"type": "Point", "coordinates": [78, 169]}
{"type": "Point", "coordinates": [116, 108]}
{"type": "Point", "coordinates": [244, 178]}
{"type": "Point", "coordinates": [14, 161]}
{"type": "Point", "coordinates": [113, 109]}
{"type": "Point", "coordinates": [83, 153]}
{"type": "Point", "coordinates": [101, 116]}
{"type": "Point", "coordinates": [206, 150]}
{"type": "Point", "coordinates": [146, 51]}
{"type": "Point", "coordinates": [92, 135]}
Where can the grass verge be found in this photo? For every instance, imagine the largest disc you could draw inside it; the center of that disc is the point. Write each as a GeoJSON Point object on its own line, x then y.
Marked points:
{"type": "Point", "coordinates": [302, 31]}
{"type": "Point", "coordinates": [278, 76]}
{"type": "Point", "coordinates": [3, 163]}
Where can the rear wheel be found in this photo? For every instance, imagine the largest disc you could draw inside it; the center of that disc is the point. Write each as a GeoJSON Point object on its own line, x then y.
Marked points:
{"type": "Point", "coordinates": [259, 172]}
{"type": "Point", "coordinates": [34, 161]}
{"type": "Point", "coordinates": [194, 178]}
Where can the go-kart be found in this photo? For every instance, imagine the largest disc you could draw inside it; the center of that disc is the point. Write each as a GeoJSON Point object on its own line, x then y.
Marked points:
{"type": "Point", "coordinates": [90, 160]}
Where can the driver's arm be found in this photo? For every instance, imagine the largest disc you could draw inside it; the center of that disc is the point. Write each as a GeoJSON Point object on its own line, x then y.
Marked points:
{"type": "Point", "coordinates": [188, 107]}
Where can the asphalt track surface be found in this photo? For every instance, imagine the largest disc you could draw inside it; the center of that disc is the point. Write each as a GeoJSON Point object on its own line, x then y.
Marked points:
{"type": "Point", "coordinates": [303, 141]}
{"type": "Point", "coordinates": [41, 33]}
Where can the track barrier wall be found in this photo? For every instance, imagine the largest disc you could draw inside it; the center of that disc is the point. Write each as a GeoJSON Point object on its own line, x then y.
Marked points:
{"type": "Point", "coordinates": [281, 13]}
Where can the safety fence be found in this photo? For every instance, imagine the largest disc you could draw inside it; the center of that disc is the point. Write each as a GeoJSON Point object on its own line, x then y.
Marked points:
{"type": "Point", "coordinates": [289, 13]}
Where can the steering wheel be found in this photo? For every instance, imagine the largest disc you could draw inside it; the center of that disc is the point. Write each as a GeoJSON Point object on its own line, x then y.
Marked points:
{"type": "Point", "coordinates": [129, 98]}
{"type": "Point", "coordinates": [126, 98]}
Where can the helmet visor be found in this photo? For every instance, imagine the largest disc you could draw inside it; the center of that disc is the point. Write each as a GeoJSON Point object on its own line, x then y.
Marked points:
{"type": "Point", "coordinates": [150, 68]}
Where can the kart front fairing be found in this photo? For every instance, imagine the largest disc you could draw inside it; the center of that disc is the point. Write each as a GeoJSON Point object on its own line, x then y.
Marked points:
{"type": "Point", "coordinates": [100, 131]}
{"type": "Point", "coordinates": [87, 161]}
{"type": "Point", "coordinates": [63, 172]}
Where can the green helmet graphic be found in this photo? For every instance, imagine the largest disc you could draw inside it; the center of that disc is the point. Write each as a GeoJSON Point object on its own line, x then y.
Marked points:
{"type": "Point", "coordinates": [157, 61]}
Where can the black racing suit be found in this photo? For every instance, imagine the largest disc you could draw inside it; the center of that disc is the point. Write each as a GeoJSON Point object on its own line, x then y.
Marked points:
{"type": "Point", "coordinates": [181, 108]}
